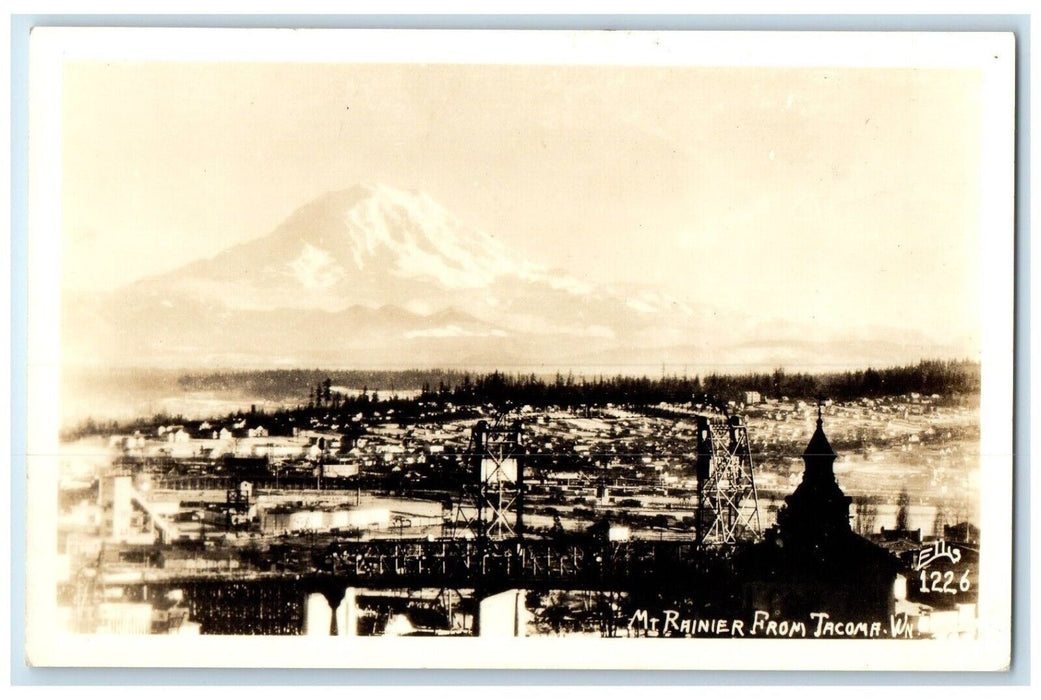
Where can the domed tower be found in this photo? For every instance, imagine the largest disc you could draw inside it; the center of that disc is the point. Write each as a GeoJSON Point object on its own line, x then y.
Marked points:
{"type": "Point", "coordinates": [817, 511]}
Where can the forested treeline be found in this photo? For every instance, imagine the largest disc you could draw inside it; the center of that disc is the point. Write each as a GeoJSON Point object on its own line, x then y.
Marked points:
{"type": "Point", "coordinates": [279, 384]}
{"type": "Point", "coordinates": [927, 377]}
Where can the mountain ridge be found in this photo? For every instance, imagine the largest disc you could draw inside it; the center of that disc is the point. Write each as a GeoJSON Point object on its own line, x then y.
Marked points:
{"type": "Point", "coordinates": [371, 274]}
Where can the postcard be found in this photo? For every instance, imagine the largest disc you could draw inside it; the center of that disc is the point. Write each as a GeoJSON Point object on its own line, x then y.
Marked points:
{"type": "Point", "coordinates": [520, 349]}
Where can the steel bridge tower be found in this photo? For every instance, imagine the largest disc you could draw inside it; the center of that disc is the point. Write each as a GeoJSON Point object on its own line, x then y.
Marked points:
{"type": "Point", "coordinates": [492, 503]}
{"type": "Point", "coordinates": [728, 505]}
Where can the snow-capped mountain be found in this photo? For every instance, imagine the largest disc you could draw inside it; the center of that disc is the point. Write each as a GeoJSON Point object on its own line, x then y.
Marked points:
{"type": "Point", "coordinates": [374, 276]}
{"type": "Point", "coordinates": [369, 244]}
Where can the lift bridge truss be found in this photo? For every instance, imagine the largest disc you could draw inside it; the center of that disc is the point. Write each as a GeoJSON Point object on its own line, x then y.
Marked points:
{"type": "Point", "coordinates": [491, 505]}
{"type": "Point", "coordinates": [728, 504]}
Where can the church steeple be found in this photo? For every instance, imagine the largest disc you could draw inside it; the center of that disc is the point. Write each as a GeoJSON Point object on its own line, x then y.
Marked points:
{"type": "Point", "coordinates": [818, 508]}
{"type": "Point", "coordinates": [812, 560]}
{"type": "Point", "coordinates": [818, 455]}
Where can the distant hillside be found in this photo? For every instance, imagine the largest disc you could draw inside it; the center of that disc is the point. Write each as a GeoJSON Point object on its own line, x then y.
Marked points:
{"type": "Point", "coordinates": [155, 393]}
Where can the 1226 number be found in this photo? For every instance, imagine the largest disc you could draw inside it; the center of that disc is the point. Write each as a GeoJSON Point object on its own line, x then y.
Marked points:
{"type": "Point", "coordinates": [943, 582]}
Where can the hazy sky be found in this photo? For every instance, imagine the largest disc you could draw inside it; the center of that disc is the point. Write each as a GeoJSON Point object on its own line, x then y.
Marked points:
{"type": "Point", "coordinates": [846, 196]}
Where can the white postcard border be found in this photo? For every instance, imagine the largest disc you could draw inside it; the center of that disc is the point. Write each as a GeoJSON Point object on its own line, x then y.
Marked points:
{"type": "Point", "coordinates": [993, 54]}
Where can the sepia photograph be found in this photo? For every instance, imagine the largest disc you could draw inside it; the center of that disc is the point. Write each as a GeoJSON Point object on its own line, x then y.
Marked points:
{"type": "Point", "coordinates": [529, 349]}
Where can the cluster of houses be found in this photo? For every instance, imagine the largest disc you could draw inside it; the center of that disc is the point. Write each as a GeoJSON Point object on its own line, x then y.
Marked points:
{"type": "Point", "coordinates": [576, 454]}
